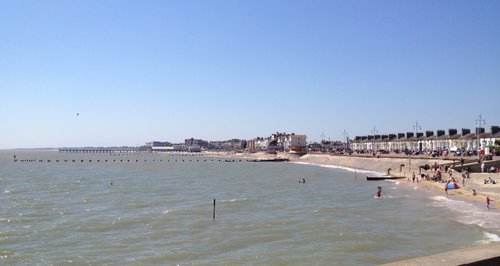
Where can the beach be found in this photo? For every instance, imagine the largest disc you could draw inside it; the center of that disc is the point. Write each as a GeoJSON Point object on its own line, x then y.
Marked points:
{"type": "Point", "coordinates": [382, 163]}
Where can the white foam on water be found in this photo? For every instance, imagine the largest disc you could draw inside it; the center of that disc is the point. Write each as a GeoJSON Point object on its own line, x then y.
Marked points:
{"type": "Point", "coordinates": [470, 214]}
{"type": "Point", "coordinates": [234, 200]}
{"type": "Point", "coordinates": [488, 238]}
{"type": "Point", "coordinates": [395, 182]}
{"type": "Point", "coordinates": [342, 167]}
{"type": "Point", "coordinates": [395, 197]}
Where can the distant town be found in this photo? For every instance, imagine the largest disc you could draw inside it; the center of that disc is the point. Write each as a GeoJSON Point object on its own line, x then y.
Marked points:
{"type": "Point", "coordinates": [461, 143]}
{"type": "Point", "coordinates": [441, 142]}
{"type": "Point", "coordinates": [277, 142]}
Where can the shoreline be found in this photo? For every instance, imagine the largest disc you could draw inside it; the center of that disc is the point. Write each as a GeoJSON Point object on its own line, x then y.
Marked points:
{"type": "Point", "coordinates": [486, 254]}
{"type": "Point", "coordinates": [380, 165]}
{"type": "Point", "coordinates": [400, 167]}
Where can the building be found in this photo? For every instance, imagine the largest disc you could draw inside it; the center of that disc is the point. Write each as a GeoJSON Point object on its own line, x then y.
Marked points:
{"type": "Point", "coordinates": [297, 143]}
{"type": "Point", "coordinates": [428, 142]}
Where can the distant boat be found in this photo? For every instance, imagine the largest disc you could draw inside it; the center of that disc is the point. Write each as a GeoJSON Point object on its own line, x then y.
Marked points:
{"type": "Point", "coordinates": [376, 178]}
{"type": "Point", "coordinates": [270, 160]}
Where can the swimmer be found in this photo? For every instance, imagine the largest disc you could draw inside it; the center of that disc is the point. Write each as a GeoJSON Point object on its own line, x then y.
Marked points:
{"type": "Point", "coordinates": [379, 192]}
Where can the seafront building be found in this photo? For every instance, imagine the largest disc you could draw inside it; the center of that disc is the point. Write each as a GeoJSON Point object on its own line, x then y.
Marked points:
{"type": "Point", "coordinates": [290, 142]}
{"type": "Point", "coordinates": [451, 141]}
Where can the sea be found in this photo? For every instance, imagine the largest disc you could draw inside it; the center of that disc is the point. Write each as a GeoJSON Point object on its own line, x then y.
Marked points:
{"type": "Point", "coordinates": [159, 209]}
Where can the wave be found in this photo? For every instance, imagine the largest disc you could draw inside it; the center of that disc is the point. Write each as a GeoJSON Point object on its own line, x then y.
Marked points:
{"type": "Point", "coordinates": [469, 213]}
{"type": "Point", "coordinates": [234, 200]}
{"type": "Point", "coordinates": [488, 238]}
{"type": "Point", "coordinates": [349, 169]}
{"type": "Point", "coordinates": [396, 197]}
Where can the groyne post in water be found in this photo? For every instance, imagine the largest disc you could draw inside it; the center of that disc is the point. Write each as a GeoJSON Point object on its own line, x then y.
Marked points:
{"type": "Point", "coordinates": [214, 210]}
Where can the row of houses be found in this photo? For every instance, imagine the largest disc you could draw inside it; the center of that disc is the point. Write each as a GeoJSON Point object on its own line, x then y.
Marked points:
{"type": "Point", "coordinates": [428, 141]}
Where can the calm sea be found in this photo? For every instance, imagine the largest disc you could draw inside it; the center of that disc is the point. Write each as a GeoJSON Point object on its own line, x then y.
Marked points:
{"type": "Point", "coordinates": [158, 210]}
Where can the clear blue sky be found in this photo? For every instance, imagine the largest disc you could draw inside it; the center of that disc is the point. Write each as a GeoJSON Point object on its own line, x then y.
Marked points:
{"type": "Point", "coordinates": [138, 71]}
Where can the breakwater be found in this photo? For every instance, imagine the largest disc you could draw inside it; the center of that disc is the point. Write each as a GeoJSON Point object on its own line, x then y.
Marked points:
{"type": "Point", "coordinates": [127, 160]}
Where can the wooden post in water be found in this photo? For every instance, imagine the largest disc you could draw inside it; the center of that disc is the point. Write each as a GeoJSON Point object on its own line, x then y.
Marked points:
{"type": "Point", "coordinates": [214, 209]}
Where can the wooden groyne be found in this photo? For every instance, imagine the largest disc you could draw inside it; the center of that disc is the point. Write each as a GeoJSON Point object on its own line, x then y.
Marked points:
{"type": "Point", "coordinates": [126, 160]}
{"type": "Point", "coordinates": [79, 150]}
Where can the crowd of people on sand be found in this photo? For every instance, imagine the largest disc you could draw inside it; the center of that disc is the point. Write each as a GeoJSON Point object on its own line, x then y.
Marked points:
{"type": "Point", "coordinates": [438, 177]}
{"type": "Point", "coordinates": [451, 182]}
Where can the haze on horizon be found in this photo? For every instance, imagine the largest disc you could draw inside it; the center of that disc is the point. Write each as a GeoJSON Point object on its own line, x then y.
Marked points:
{"type": "Point", "coordinates": [168, 70]}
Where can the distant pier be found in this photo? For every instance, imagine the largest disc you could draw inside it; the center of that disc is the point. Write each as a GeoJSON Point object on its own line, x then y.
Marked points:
{"type": "Point", "coordinates": [96, 150]}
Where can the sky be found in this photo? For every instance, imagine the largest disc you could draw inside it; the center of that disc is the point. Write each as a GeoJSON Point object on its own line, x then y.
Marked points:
{"type": "Point", "coordinates": [138, 71]}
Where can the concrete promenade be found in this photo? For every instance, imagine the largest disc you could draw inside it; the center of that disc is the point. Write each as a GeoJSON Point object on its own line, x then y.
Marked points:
{"type": "Point", "coordinates": [488, 254]}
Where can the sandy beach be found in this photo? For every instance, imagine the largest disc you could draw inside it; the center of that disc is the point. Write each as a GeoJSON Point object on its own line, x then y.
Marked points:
{"type": "Point", "coordinates": [382, 164]}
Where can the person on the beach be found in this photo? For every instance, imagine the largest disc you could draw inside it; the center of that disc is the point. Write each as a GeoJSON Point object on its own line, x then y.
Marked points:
{"type": "Point", "coordinates": [474, 193]}
{"type": "Point", "coordinates": [413, 177]}
{"type": "Point", "coordinates": [379, 192]}
{"type": "Point", "coordinates": [482, 167]}
{"type": "Point", "coordinates": [488, 202]}
{"type": "Point", "coordinates": [446, 188]}
{"type": "Point", "coordinates": [463, 181]}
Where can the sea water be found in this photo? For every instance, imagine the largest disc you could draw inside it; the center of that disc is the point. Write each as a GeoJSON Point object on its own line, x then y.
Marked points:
{"type": "Point", "coordinates": [143, 209]}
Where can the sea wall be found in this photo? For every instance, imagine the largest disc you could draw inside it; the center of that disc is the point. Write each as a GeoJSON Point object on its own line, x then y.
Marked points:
{"type": "Point", "coordinates": [398, 166]}
{"type": "Point", "coordinates": [488, 254]}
